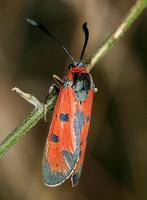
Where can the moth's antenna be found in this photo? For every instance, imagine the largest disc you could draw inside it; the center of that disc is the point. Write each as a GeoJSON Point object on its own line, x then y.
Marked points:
{"type": "Point", "coordinates": [46, 31]}
{"type": "Point", "coordinates": [86, 34]}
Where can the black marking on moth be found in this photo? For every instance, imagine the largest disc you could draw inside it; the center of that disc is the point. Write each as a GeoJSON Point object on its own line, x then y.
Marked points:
{"type": "Point", "coordinates": [64, 117]}
{"type": "Point", "coordinates": [78, 125]}
{"type": "Point", "coordinates": [82, 84]}
{"type": "Point", "coordinates": [79, 122]}
{"type": "Point", "coordinates": [55, 138]}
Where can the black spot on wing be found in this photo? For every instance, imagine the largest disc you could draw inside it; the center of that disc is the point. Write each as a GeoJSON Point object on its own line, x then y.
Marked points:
{"type": "Point", "coordinates": [55, 138]}
{"type": "Point", "coordinates": [64, 117]}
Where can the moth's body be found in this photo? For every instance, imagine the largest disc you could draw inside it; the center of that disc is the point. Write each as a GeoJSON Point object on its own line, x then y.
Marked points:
{"type": "Point", "coordinates": [66, 142]}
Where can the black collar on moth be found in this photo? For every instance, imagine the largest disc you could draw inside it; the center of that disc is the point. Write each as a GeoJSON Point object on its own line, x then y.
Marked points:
{"type": "Point", "coordinates": [77, 63]}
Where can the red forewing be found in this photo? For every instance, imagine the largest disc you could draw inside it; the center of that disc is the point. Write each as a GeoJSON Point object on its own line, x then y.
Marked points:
{"type": "Point", "coordinates": [61, 153]}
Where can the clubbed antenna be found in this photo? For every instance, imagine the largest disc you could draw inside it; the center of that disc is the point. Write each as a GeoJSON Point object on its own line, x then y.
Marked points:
{"type": "Point", "coordinates": [46, 31]}
{"type": "Point", "coordinates": [86, 33]}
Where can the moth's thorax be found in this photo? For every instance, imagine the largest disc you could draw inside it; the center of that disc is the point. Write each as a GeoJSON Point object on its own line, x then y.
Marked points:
{"type": "Point", "coordinates": [79, 79]}
{"type": "Point", "coordinates": [76, 71]}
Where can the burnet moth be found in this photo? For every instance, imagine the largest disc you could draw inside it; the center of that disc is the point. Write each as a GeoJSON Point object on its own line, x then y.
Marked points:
{"type": "Point", "coordinates": [67, 138]}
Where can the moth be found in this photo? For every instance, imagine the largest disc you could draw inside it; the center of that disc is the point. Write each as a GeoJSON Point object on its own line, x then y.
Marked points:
{"type": "Point", "coordinates": [66, 142]}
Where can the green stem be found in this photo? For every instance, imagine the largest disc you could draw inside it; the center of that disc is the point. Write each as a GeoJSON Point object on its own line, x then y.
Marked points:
{"type": "Point", "coordinates": [134, 12]}
{"type": "Point", "coordinates": [38, 112]}
{"type": "Point", "coordinates": [30, 121]}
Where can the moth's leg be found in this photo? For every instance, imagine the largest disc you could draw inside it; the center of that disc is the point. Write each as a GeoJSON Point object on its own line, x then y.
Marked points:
{"type": "Point", "coordinates": [58, 80]}
{"type": "Point", "coordinates": [55, 87]}
{"type": "Point", "coordinates": [51, 88]}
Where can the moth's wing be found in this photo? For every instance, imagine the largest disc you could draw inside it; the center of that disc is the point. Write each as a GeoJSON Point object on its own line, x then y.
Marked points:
{"type": "Point", "coordinates": [85, 108]}
{"type": "Point", "coordinates": [61, 151]}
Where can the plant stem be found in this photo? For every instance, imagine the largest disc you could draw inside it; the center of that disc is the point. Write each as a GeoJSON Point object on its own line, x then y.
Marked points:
{"type": "Point", "coordinates": [38, 113]}
{"type": "Point", "coordinates": [30, 121]}
{"type": "Point", "coordinates": [134, 12]}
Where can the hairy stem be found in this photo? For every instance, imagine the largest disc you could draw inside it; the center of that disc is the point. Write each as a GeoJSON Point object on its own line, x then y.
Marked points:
{"type": "Point", "coordinates": [134, 12]}
{"type": "Point", "coordinates": [30, 121]}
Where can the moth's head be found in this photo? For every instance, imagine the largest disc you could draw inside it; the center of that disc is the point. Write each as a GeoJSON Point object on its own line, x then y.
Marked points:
{"type": "Point", "coordinates": [78, 66]}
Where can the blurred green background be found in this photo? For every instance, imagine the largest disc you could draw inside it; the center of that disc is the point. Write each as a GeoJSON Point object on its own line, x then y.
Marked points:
{"type": "Point", "coordinates": [115, 166]}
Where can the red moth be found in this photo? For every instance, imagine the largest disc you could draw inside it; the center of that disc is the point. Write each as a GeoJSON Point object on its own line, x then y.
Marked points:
{"type": "Point", "coordinates": [67, 138]}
